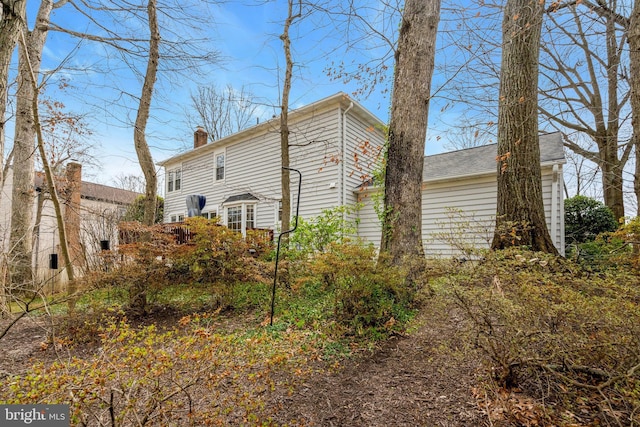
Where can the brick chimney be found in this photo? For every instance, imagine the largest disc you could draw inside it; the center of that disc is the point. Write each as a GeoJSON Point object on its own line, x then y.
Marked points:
{"type": "Point", "coordinates": [72, 211]}
{"type": "Point", "coordinates": [200, 137]}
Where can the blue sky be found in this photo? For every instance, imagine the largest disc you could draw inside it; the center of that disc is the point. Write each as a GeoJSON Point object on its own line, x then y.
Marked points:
{"type": "Point", "coordinates": [246, 37]}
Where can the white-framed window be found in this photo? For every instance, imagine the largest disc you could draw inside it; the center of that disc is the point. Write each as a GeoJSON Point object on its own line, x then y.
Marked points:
{"type": "Point", "coordinates": [218, 174]}
{"type": "Point", "coordinates": [241, 217]}
{"type": "Point", "coordinates": [250, 217]}
{"type": "Point", "coordinates": [174, 180]}
{"type": "Point", "coordinates": [234, 218]}
{"type": "Point", "coordinates": [210, 214]}
{"type": "Point", "coordinates": [176, 218]}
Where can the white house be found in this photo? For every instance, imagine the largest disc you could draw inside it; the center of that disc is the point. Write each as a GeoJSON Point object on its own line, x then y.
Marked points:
{"type": "Point", "coordinates": [334, 143]}
{"type": "Point", "coordinates": [240, 174]}
{"type": "Point", "coordinates": [91, 217]}
{"type": "Point", "coordinates": [459, 198]}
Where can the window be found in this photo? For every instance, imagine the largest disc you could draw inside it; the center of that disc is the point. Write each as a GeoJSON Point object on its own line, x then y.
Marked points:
{"type": "Point", "coordinates": [241, 217]}
{"type": "Point", "coordinates": [234, 218]}
{"type": "Point", "coordinates": [174, 180]}
{"type": "Point", "coordinates": [250, 222]}
{"type": "Point", "coordinates": [176, 218]}
{"type": "Point", "coordinates": [210, 215]}
{"type": "Point", "coordinates": [178, 181]}
{"type": "Point", "coordinates": [219, 167]}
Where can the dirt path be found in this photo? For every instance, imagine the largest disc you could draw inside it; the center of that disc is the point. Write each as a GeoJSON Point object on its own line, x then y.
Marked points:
{"type": "Point", "coordinates": [421, 379]}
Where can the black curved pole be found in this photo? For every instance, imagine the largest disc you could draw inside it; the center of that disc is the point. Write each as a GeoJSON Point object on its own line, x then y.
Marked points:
{"type": "Point", "coordinates": [275, 274]}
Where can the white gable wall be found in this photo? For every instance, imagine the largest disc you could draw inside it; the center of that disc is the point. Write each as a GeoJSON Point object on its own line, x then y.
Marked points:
{"type": "Point", "coordinates": [252, 166]}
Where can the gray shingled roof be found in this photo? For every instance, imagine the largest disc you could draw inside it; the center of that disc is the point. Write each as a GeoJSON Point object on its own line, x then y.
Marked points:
{"type": "Point", "coordinates": [480, 160]}
{"type": "Point", "coordinates": [240, 197]}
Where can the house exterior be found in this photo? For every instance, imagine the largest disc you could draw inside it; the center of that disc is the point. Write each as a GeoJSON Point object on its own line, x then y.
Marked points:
{"type": "Point", "coordinates": [91, 213]}
{"type": "Point", "coordinates": [240, 174]}
{"type": "Point", "coordinates": [459, 198]}
{"type": "Point", "coordinates": [334, 143]}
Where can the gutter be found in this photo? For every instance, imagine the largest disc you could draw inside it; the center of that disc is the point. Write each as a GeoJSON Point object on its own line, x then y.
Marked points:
{"type": "Point", "coordinates": [554, 205]}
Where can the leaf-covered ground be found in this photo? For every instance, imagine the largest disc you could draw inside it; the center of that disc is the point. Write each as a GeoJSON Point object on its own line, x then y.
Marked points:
{"type": "Point", "coordinates": [264, 377]}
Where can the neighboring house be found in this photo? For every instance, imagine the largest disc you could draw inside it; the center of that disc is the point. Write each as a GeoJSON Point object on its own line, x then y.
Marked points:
{"type": "Point", "coordinates": [90, 227]}
{"type": "Point", "coordinates": [459, 198]}
{"type": "Point", "coordinates": [240, 174]}
{"type": "Point", "coordinates": [332, 141]}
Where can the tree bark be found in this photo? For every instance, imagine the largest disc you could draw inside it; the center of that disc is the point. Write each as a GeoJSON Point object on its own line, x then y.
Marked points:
{"type": "Point", "coordinates": [142, 148]}
{"type": "Point", "coordinates": [634, 82]}
{"type": "Point", "coordinates": [284, 120]}
{"type": "Point", "coordinates": [20, 239]}
{"type": "Point", "coordinates": [520, 219]}
{"type": "Point", "coordinates": [60, 220]}
{"type": "Point", "coordinates": [11, 21]}
{"type": "Point", "coordinates": [402, 221]}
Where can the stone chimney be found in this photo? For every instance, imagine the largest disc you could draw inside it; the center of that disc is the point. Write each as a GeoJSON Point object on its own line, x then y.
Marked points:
{"type": "Point", "coordinates": [200, 137]}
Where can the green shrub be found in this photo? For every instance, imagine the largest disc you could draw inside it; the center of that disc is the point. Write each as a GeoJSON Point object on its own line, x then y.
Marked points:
{"type": "Point", "coordinates": [367, 294]}
{"type": "Point", "coordinates": [585, 218]}
{"type": "Point", "coordinates": [315, 235]}
{"type": "Point", "coordinates": [605, 251]}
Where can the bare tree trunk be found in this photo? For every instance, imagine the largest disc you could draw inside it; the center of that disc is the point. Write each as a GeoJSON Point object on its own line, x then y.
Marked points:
{"type": "Point", "coordinates": [142, 148]}
{"type": "Point", "coordinates": [30, 58]}
{"type": "Point", "coordinates": [520, 206]}
{"type": "Point", "coordinates": [139, 296]}
{"type": "Point", "coordinates": [60, 221]}
{"type": "Point", "coordinates": [402, 222]}
{"type": "Point", "coordinates": [589, 91]}
{"type": "Point", "coordinates": [634, 59]}
{"type": "Point", "coordinates": [284, 119]}
{"type": "Point", "coordinates": [11, 21]}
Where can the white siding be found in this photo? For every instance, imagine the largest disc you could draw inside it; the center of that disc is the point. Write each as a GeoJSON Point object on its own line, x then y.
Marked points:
{"type": "Point", "coordinates": [252, 166]}
{"type": "Point", "coordinates": [369, 226]}
{"type": "Point", "coordinates": [459, 213]}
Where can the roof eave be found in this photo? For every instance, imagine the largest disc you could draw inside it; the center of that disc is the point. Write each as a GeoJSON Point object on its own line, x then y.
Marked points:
{"type": "Point", "coordinates": [339, 98]}
{"type": "Point", "coordinates": [374, 188]}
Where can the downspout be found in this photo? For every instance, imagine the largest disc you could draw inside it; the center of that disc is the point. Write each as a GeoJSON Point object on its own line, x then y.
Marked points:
{"type": "Point", "coordinates": [561, 203]}
{"type": "Point", "coordinates": [554, 206]}
{"type": "Point", "coordinates": [344, 155]}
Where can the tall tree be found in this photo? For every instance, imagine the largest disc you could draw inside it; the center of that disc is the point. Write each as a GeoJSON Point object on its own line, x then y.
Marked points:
{"type": "Point", "coordinates": [12, 17]}
{"type": "Point", "coordinates": [30, 58]}
{"type": "Point", "coordinates": [583, 84]}
{"type": "Point", "coordinates": [284, 113]}
{"type": "Point", "coordinates": [520, 203]}
{"type": "Point", "coordinates": [142, 147]}
{"type": "Point", "coordinates": [634, 82]}
{"type": "Point", "coordinates": [584, 87]}
{"type": "Point", "coordinates": [402, 222]}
